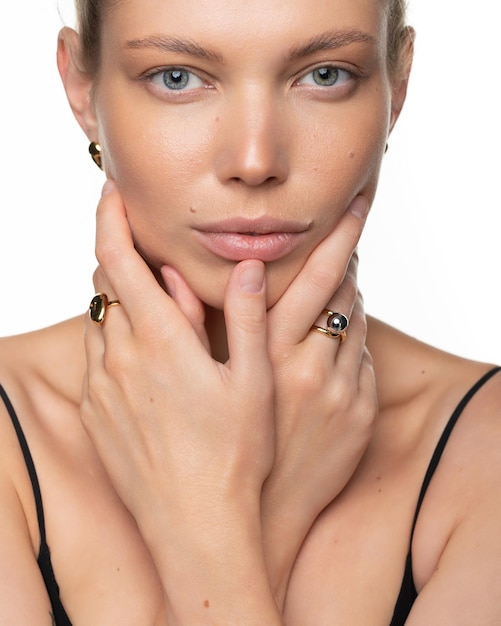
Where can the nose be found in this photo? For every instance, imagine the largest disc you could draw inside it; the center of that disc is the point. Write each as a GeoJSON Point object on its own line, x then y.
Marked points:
{"type": "Point", "coordinates": [252, 142]}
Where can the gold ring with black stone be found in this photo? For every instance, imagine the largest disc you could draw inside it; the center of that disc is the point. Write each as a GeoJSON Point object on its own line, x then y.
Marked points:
{"type": "Point", "coordinates": [335, 325]}
{"type": "Point", "coordinates": [98, 307]}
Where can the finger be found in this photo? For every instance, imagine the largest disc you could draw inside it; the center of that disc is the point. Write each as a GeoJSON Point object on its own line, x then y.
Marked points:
{"type": "Point", "coordinates": [352, 350]}
{"type": "Point", "coordinates": [343, 302]}
{"type": "Point", "coordinates": [130, 277]}
{"type": "Point", "coordinates": [115, 316]}
{"type": "Point", "coordinates": [102, 284]}
{"type": "Point", "coordinates": [186, 300]}
{"type": "Point", "coordinates": [245, 314]}
{"type": "Point", "coordinates": [94, 345]}
{"type": "Point", "coordinates": [321, 276]}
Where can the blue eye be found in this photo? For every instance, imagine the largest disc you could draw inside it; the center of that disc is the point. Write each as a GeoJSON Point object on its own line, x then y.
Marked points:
{"type": "Point", "coordinates": [327, 76]}
{"type": "Point", "coordinates": [176, 79]}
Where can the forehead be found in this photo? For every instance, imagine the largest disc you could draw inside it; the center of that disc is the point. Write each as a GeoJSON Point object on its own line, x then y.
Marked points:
{"type": "Point", "coordinates": [244, 23]}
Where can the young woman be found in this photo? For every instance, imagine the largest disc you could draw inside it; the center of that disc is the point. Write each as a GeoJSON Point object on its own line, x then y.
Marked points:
{"type": "Point", "coordinates": [213, 443]}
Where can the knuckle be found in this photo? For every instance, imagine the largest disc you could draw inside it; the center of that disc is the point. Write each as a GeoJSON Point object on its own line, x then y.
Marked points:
{"type": "Point", "coordinates": [351, 235]}
{"type": "Point", "coordinates": [280, 352]}
{"type": "Point", "coordinates": [311, 378]}
{"type": "Point", "coordinates": [107, 254]}
{"type": "Point", "coordinates": [119, 364]}
{"type": "Point", "coordinates": [252, 320]}
{"type": "Point", "coordinates": [350, 285]}
{"type": "Point", "coordinates": [96, 385]}
{"type": "Point", "coordinates": [98, 276]}
{"type": "Point", "coordinates": [320, 277]}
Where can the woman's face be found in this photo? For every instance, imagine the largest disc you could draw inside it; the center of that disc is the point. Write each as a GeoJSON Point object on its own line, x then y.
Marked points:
{"type": "Point", "coordinates": [241, 129]}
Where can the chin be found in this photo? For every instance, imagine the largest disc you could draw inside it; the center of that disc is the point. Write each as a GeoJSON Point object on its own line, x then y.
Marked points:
{"type": "Point", "coordinates": [211, 291]}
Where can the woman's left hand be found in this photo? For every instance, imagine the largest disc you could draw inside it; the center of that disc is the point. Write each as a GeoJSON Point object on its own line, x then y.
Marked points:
{"type": "Point", "coordinates": [325, 394]}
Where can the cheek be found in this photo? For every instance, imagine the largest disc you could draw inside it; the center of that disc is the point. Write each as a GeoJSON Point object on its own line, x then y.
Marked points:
{"type": "Point", "coordinates": [158, 167]}
{"type": "Point", "coordinates": [342, 144]}
{"type": "Point", "coordinates": [167, 167]}
{"type": "Point", "coordinates": [157, 158]}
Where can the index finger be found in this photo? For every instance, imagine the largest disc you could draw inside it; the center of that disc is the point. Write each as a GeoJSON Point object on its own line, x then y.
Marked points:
{"type": "Point", "coordinates": [129, 275]}
{"type": "Point", "coordinates": [321, 275]}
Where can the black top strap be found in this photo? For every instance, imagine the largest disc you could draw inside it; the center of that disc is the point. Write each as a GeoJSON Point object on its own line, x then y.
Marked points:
{"type": "Point", "coordinates": [29, 463]}
{"type": "Point", "coordinates": [437, 455]}
{"type": "Point", "coordinates": [408, 592]}
{"type": "Point", "coordinates": [44, 560]}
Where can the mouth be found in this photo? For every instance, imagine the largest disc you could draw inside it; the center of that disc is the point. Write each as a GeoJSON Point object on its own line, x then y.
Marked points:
{"type": "Point", "coordinates": [262, 239]}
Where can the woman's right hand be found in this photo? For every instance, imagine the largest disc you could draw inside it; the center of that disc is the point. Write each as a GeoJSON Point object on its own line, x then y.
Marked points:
{"type": "Point", "coordinates": [186, 441]}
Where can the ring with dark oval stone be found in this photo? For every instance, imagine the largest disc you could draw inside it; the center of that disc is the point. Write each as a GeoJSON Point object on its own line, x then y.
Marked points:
{"type": "Point", "coordinates": [336, 325]}
{"type": "Point", "coordinates": [98, 306]}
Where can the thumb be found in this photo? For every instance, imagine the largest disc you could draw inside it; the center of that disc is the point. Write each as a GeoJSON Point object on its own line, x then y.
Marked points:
{"type": "Point", "coordinates": [245, 315]}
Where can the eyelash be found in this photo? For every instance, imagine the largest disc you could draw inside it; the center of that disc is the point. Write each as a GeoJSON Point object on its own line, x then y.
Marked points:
{"type": "Point", "coordinates": [333, 71]}
{"type": "Point", "coordinates": [158, 75]}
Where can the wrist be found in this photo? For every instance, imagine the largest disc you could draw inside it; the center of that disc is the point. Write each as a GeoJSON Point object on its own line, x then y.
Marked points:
{"type": "Point", "coordinates": [215, 572]}
{"type": "Point", "coordinates": [285, 525]}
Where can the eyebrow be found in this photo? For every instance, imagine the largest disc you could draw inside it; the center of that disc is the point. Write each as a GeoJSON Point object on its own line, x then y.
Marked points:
{"type": "Point", "coordinates": [329, 41]}
{"type": "Point", "coordinates": [173, 44]}
{"type": "Point", "coordinates": [325, 41]}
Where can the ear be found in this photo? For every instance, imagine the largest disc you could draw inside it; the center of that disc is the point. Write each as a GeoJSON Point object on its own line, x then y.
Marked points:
{"type": "Point", "coordinates": [401, 79]}
{"type": "Point", "coordinates": [77, 83]}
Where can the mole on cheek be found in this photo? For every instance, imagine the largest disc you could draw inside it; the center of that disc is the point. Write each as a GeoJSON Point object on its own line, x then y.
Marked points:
{"type": "Point", "coordinates": [192, 210]}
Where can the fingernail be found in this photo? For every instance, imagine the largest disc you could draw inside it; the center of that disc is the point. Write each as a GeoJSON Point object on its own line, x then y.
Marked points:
{"type": "Point", "coordinates": [360, 207]}
{"type": "Point", "coordinates": [108, 187]}
{"type": "Point", "coordinates": [251, 277]}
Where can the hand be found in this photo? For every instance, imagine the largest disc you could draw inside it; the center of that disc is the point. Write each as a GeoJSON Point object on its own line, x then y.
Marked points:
{"type": "Point", "coordinates": [187, 442]}
{"type": "Point", "coordinates": [325, 396]}
{"type": "Point", "coordinates": [176, 430]}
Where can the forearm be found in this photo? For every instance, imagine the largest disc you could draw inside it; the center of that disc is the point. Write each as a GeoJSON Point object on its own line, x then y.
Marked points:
{"type": "Point", "coordinates": [285, 526]}
{"type": "Point", "coordinates": [213, 569]}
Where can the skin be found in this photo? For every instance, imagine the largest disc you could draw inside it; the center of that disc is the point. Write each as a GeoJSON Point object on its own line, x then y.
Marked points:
{"type": "Point", "coordinates": [173, 444]}
{"type": "Point", "coordinates": [261, 167]}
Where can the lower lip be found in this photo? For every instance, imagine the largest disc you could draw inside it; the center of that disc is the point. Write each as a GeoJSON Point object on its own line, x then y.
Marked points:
{"type": "Point", "coordinates": [238, 247]}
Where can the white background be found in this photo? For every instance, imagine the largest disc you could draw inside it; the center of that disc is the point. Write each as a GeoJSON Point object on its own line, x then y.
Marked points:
{"type": "Point", "coordinates": [430, 257]}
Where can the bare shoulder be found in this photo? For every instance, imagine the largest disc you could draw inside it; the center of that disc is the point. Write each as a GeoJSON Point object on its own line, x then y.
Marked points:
{"type": "Point", "coordinates": [38, 371]}
{"type": "Point", "coordinates": [52, 356]}
{"type": "Point", "coordinates": [407, 368]}
{"type": "Point", "coordinates": [41, 375]}
{"type": "Point", "coordinates": [456, 547]}
{"type": "Point", "coordinates": [434, 392]}
{"type": "Point", "coordinates": [38, 374]}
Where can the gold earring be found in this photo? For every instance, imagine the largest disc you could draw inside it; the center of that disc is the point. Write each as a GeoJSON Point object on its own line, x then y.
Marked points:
{"type": "Point", "coordinates": [95, 152]}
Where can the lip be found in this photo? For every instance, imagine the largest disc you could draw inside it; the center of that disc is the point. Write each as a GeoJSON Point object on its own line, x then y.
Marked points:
{"type": "Point", "coordinates": [264, 239]}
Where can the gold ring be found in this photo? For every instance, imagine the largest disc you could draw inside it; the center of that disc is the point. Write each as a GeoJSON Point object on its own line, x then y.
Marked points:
{"type": "Point", "coordinates": [335, 325]}
{"type": "Point", "coordinates": [98, 306]}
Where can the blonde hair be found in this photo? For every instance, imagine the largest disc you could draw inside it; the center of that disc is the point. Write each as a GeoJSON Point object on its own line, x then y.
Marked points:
{"type": "Point", "coordinates": [90, 14]}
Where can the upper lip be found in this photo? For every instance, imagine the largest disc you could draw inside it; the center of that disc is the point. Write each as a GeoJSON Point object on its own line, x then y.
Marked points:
{"type": "Point", "coordinates": [253, 226]}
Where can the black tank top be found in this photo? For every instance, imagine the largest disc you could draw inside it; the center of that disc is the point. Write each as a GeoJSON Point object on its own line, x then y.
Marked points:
{"type": "Point", "coordinates": [406, 597]}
